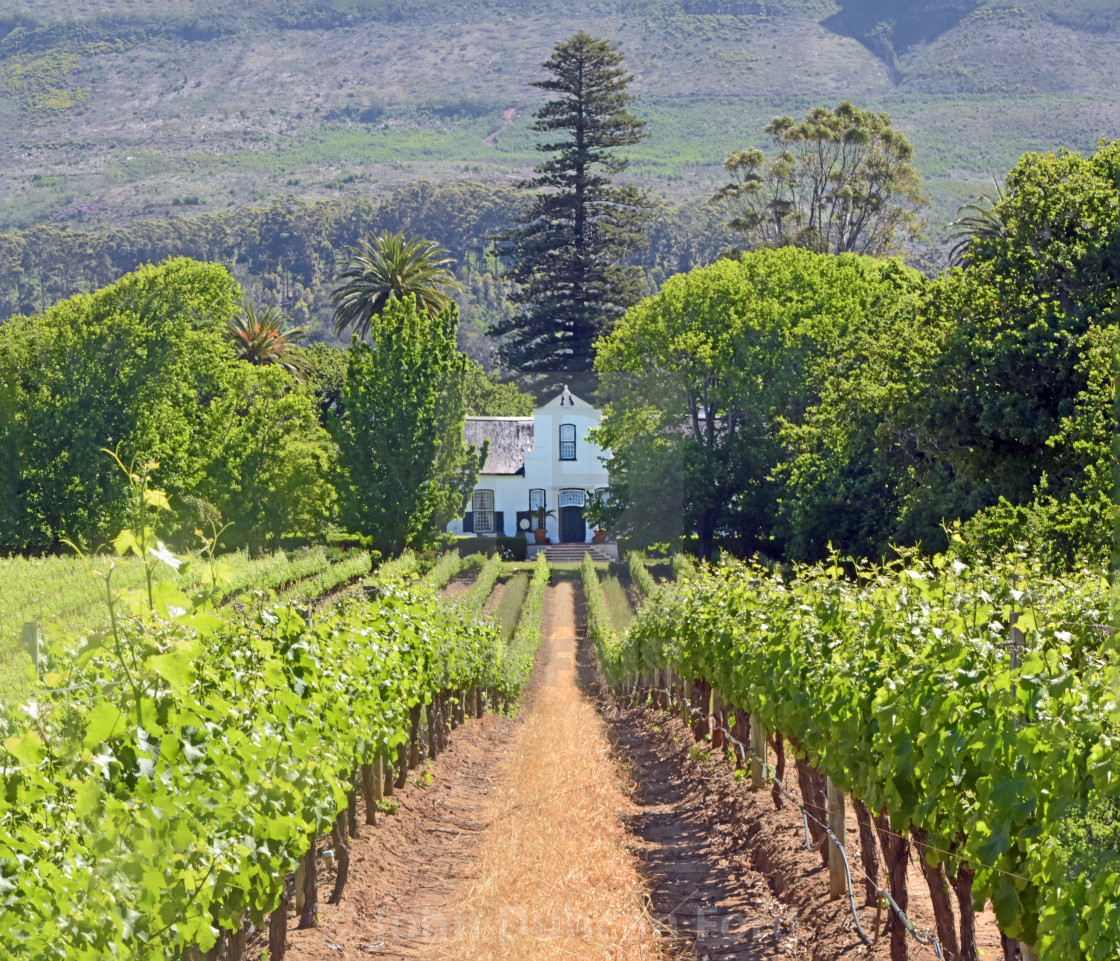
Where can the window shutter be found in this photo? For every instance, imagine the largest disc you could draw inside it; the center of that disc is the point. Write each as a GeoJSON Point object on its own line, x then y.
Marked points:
{"type": "Point", "coordinates": [468, 523]}
{"type": "Point", "coordinates": [500, 523]}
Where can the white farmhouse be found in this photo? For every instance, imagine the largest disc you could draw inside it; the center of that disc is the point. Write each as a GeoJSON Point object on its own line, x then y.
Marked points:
{"type": "Point", "coordinates": [544, 460]}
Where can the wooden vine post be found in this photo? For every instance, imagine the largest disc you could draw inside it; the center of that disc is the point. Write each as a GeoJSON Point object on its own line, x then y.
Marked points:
{"type": "Point", "coordinates": [758, 751]}
{"type": "Point", "coordinates": [413, 739]}
{"type": "Point", "coordinates": [433, 746]}
{"type": "Point", "coordinates": [371, 775]}
{"type": "Point", "coordinates": [715, 724]}
{"type": "Point", "coordinates": [278, 930]}
{"type": "Point", "coordinates": [352, 804]}
{"type": "Point", "coordinates": [402, 764]}
{"type": "Point", "coordinates": [341, 857]}
{"type": "Point", "coordinates": [387, 763]}
{"type": "Point", "coordinates": [307, 889]}
{"type": "Point", "coordinates": [837, 878]}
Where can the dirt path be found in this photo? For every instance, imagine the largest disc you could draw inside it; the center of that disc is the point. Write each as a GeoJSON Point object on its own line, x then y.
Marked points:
{"type": "Point", "coordinates": [580, 830]}
{"type": "Point", "coordinates": [508, 117]}
{"type": "Point", "coordinates": [555, 878]}
{"type": "Point", "coordinates": [495, 597]}
{"type": "Point", "coordinates": [459, 584]}
{"type": "Point", "coordinates": [403, 869]}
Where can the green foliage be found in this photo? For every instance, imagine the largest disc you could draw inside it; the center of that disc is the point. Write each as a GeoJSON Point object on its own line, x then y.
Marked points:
{"type": "Point", "coordinates": [732, 353]}
{"type": "Point", "coordinates": [600, 628]}
{"type": "Point", "coordinates": [131, 367]}
{"type": "Point", "coordinates": [262, 721]}
{"type": "Point", "coordinates": [508, 611]}
{"type": "Point", "coordinates": [401, 570]}
{"type": "Point", "coordinates": [640, 574]}
{"type": "Point", "coordinates": [897, 684]}
{"type": "Point", "coordinates": [510, 548]}
{"type": "Point", "coordinates": [843, 181]}
{"type": "Point", "coordinates": [565, 256]}
{"type": "Point", "coordinates": [271, 469]}
{"type": "Point", "coordinates": [683, 567]}
{"type": "Point", "coordinates": [390, 267]}
{"type": "Point", "coordinates": [324, 373]}
{"type": "Point", "coordinates": [522, 650]}
{"type": "Point", "coordinates": [406, 472]}
{"type": "Point", "coordinates": [263, 337]}
{"type": "Point", "coordinates": [1018, 321]}
{"type": "Point", "coordinates": [343, 572]}
{"type": "Point", "coordinates": [1068, 522]}
{"type": "Point", "coordinates": [487, 397]}
{"type": "Point", "coordinates": [445, 568]}
{"type": "Point", "coordinates": [618, 604]}
{"type": "Point", "coordinates": [474, 600]}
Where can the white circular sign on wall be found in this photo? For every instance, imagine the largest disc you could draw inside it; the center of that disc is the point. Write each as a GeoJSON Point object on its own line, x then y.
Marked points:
{"type": "Point", "coordinates": [524, 523]}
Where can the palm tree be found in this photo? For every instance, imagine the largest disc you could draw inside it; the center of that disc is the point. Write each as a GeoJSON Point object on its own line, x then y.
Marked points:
{"type": "Point", "coordinates": [978, 221]}
{"type": "Point", "coordinates": [392, 266]}
{"type": "Point", "coordinates": [261, 338]}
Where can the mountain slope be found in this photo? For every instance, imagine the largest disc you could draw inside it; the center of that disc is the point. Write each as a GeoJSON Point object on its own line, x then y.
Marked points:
{"type": "Point", "coordinates": [113, 109]}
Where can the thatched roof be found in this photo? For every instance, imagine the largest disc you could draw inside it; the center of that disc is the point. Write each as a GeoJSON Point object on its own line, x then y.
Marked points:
{"type": "Point", "coordinates": [507, 436]}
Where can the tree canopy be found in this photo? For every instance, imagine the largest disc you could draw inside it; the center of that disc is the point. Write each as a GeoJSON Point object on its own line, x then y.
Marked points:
{"type": "Point", "coordinates": [718, 362]}
{"type": "Point", "coordinates": [134, 364]}
{"type": "Point", "coordinates": [566, 256]}
{"type": "Point", "coordinates": [842, 181]}
{"type": "Point", "coordinates": [263, 337]}
{"type": "Point", "coordinates": [405, 471]}
{"type": "Point", "coordinates": [387, 268]}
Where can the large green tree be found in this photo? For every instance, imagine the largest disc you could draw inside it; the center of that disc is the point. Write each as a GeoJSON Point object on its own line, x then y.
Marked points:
{"type": "Point", "coordinates": [272, 461]}
{"type": "Point", "coordinates": [566, 256]}
{"type": "Point", "coordinates": [841, 181]}
{"type": "Point", "coordinates": [1018, 387]}
{"type": "Point", "coordinates": [136, 364]}
{"type": "Point", "coordinates": [703, 379]}
{"type": "Point", "coordinates": [1018, 320]}
{"type": "Point", "coordinates": [406, 472]}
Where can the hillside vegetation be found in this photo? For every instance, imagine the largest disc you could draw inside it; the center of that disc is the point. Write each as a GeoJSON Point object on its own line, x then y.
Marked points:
{"type": "Point", "coordinates": [116, 109]}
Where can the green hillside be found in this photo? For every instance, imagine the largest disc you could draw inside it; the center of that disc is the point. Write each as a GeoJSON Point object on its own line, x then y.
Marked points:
{"type": "Point", "coordinates": [114, 109]}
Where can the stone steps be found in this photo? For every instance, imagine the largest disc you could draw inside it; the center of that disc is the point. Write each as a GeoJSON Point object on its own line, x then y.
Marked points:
{"type": "Point", "coordinates": [566, 553]}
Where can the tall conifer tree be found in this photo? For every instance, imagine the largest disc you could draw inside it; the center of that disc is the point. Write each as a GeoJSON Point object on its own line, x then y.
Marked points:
{"type": "Point", "coordinates": [566, 253]}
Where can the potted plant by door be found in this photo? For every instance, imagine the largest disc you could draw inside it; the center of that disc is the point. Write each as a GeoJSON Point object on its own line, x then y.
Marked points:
{"type": "Point", "coordinates": [540, 534]}
{"type": "Point", "coordinates": [595, 512]}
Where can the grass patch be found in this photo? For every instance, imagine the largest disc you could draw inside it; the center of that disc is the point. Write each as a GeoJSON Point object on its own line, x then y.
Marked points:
{"type": "Point", "coordinates": [618, 604]}
{"type": "Point", "coordinates": [509, 607]}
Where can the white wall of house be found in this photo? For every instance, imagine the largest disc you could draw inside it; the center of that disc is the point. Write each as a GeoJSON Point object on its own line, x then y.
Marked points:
{"type": "Point", "coordinates": [562, 459]}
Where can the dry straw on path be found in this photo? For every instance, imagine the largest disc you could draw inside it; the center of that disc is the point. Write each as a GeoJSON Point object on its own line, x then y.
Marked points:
{"type": "Point", "coordinates": [554, 877]}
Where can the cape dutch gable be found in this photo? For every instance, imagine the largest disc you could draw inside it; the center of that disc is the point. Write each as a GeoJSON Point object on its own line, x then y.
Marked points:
{"type": "Point", "coordinates": [546, 460]}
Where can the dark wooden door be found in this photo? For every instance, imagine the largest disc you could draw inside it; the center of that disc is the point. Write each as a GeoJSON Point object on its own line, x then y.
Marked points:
{"type": "Point", "coordinates": [572, 528]}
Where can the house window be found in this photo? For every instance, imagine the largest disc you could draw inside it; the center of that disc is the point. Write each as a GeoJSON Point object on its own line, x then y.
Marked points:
{"type": "Point", "coordinates": [483, 506]}
{"type": "Point", "coordinates": [567, 441]}
{"type": "Point", "coordinates": [572, 498]}
{"type": "Point", "coordinates": [536, 498]}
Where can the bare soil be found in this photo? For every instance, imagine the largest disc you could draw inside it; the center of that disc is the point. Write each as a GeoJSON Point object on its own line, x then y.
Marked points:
{"type": "Point", "coordinates": [762, 893]}
{"type": "Point", "coordinates": [495, 597]}
{"type": "Point", "coordinates": [404, 870]}
{"type": "Point", "coordinates": [459, 585]}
